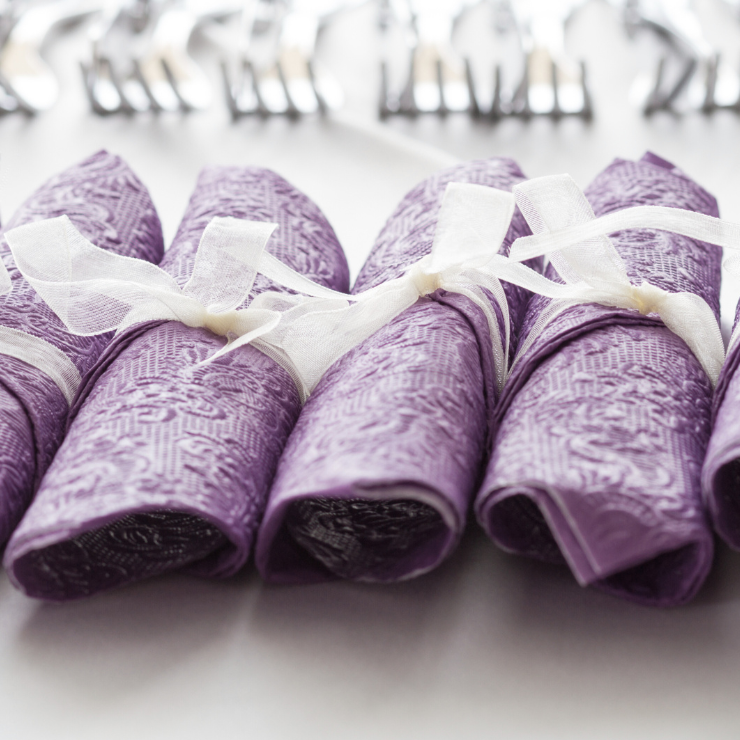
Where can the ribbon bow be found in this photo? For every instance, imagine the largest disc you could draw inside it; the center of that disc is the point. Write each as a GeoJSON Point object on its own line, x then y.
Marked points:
{"type": "Point", "coordinates": [472, 223]}
{"type": "Point", "coordinates": [566, 229]}
{"type": "Point", "coordinates": [94, 291]}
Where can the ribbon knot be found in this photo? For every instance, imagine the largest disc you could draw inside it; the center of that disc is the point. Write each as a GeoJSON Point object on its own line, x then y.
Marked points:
{"type": "Point", "coordinates": [223, 323]}
{"type": "Point", "coordinates": [472, 223]}
{"type": "Point", "coordinates": [648, 298]}
{"type": "Point", "coordinates": [424, 282]}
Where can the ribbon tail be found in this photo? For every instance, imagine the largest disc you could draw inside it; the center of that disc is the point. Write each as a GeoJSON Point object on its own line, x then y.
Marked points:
{"type": "Point", "coordinates": [315, 336]}
{"type": "Point", "coordinates": [244, 339]}
{"type": "Point", "coordinates": [474, 293]}
{"type": "Point", "coordinates": [484, 279]}
{"type": "Point", "coordinates": [691, 318]}
{"type": "Point", "coordinates": [90, 289]}
{"type": "Point", "coordinates": [663, 218]}
{"type": "Point", "coordinates": [272, 268]}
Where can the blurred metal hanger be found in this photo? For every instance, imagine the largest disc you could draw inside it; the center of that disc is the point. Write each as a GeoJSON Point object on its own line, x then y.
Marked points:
{"type": "Point", "coordinates": [27, 79]}
{"type": "Point", "coordinates": [690, 73]}
{"type": "Point", "coordinates": [290, 82]}
{"type": "Point", "coordinates": [553, 84]}
{"type": "Point", "coordinates": [439, 80]}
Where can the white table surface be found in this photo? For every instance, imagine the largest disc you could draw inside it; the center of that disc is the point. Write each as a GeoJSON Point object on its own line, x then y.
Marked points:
{"type": "Point", "coordinates": [488, 645]}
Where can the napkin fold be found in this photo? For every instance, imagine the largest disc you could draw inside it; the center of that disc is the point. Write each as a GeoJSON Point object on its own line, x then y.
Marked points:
{"type": "Point", "coordinates": [110, 206]}
{"type": "Point", "coordinates": [167, 462]}
{"type": "Point", "coordinates": [606, 418]}
{"type": "Point", "coordinates": [721, 471]}
{"type": "Point", "coordinates": [377, 476]}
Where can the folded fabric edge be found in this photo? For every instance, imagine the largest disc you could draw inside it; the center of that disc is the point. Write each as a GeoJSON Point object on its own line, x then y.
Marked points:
{"type": "Point", "coordinates": [720, 473]}
{"type": "Point", "coordinates": [225, 560]}
{"type": "Point", "coordinates": [553, 340]}
{"type": "Point", "coordinates": [552, 531]}
{"type": "Point", "coordinates": [109, 355]}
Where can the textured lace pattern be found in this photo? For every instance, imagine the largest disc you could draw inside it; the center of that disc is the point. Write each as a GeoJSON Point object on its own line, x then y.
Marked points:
{"type": "Point", "coordinates": [111, 207]}
{"type": "Point", "coordinates": [389, 448]}
{"type": "Point", "coordinates": [606, 420]}
{"type": "Point", "coordinates": [167, 464]}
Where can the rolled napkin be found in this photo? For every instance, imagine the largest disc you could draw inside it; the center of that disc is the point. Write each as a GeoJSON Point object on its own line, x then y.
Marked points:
{"type": "Point", "coordinates": [606, 417]}
{"type": "Point", "coordinates": [108, 204]}
{"type": "Point", "coordinates": [377, 476]}
{"type": "Point", "coordinates": [167, 462]}
{"type": "Point", "coordinates": [721, 471]}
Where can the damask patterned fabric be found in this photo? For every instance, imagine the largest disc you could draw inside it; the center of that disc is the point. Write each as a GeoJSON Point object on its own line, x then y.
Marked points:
{"type": "Point", "coordinates": [111, 207]}
{"type": "Point", "coordinates": [605, 422]}
{"type": "Point", "coordinates": [167, 464]}
{"type": "Point", "coordinates": [378, 474]}
{"type": "Point", "coordinates": [721, 472]}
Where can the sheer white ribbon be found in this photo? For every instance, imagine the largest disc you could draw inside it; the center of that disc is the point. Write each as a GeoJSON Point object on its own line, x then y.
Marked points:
{"type": "Point", "coordinates": [36, 351]}
{"type": "Point", "coordinates": [471, 226]}
{"type": "Point", "coordinates": [565, 228]}
{"type": "Point", "coordinates": [94, 291]}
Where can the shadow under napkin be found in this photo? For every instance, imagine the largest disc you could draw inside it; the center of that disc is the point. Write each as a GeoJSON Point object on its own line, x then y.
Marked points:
{"type": "Point", "coordinates": [378, 474]}
{"type": "Point", "coordinates": [110, 206]}
{"type": "Point", "coordinates": [166, 464]}
{"type": "Point", "coordinates": [607, 417]}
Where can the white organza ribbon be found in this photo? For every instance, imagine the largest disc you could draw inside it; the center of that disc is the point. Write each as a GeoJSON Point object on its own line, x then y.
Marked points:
{"type": "Point", "coordinates": [565, 228]}
{"type": "Point", "coordinates": [37, 352]}
{"type": "Point", "coordinates": [472, 223]}
{"type": "Point", "coordinates": [94, 291]}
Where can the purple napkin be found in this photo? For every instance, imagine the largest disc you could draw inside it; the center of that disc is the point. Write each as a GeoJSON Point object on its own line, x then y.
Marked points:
{"type": "Point", "coordinates": [606, 420]}
{"type": "Point", "coordinates": [167, 465]}
{"type": "Point", "coordinates": [377, 476]}
{"type": "Point", "coordinates": [111, 207]}
{"type": "Point", "coordinates": [721, 472]}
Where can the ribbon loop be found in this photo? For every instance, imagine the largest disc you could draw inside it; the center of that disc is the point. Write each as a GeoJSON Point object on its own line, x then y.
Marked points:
{"type": "Point", "coordinates": [226, 262]}
{"type": "Point", "coordinates": [94, 291]}
{"type": "Point", "coordinates": [556, 203]}
{"type": "Point", "coordinates": [471, 225]}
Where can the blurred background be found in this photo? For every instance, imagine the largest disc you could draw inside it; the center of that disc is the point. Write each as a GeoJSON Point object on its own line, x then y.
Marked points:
{"type": "Point", "coordinates": [560, 85]}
